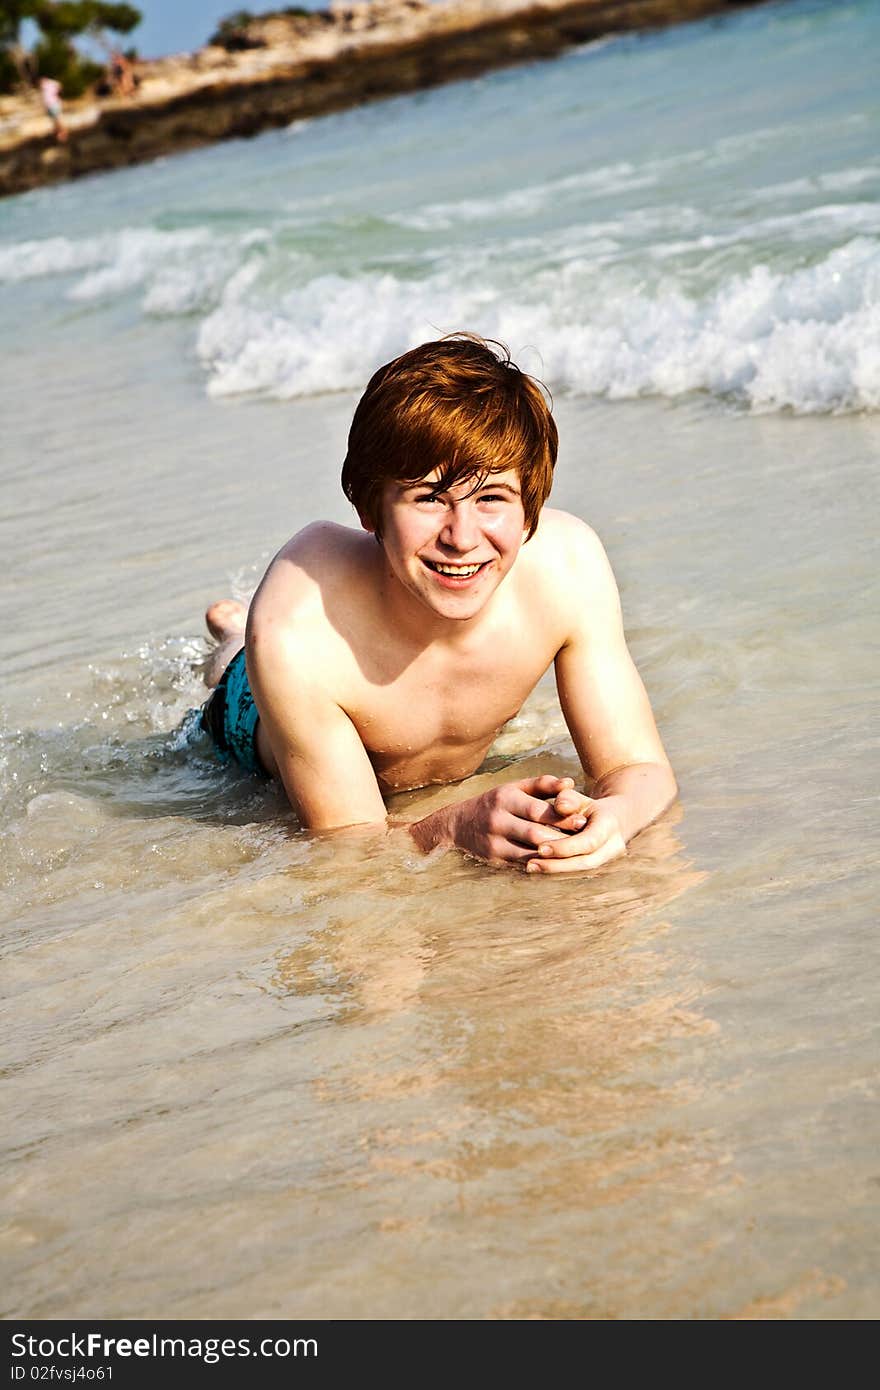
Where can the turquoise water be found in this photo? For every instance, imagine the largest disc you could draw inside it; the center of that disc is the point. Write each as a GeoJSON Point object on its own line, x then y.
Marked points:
{"type": "Point", "coordinates": [251, 1071]}
{"type": "Point", "coordinates": [690, 211]}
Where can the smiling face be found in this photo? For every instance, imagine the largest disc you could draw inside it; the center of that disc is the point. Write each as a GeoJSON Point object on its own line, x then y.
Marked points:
{"type": "Point", "coordinates": [450, 550]}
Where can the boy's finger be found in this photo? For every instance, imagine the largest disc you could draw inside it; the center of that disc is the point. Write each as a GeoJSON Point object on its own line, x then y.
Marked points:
{"type": "Point", "coordinates": [528, 832]}
{"type": "Point", "coordinates": [569, 801]}
{"type": "Point", "coordinates": [586, 842]}
{"type": "Point", "coordinates": [580, 864]}
{"type": "Point", "coordinates": [546, 785]}
{"type": "Point", "coordinates": [538, 864]}
{"type": "Point", "coordinates": [544, 812]}
{"type": "Point", "coordinates": [518, 840]}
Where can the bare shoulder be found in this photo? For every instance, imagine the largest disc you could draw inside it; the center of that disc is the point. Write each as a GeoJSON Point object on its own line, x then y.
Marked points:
{"type": "Point", "coordinates": [569, 534]}
{"type": "Point", "coordinates": [321, 556]}
{"type": "Point", "coordinates": [288, 614]}
{"type": "Point", "coordinates": [569, 581]}
{"type": "Point", "coordinates": [566, 559]}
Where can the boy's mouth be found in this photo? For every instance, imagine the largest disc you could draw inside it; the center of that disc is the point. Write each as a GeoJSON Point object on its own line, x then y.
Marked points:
{"type": "Point", "coordinates": [455, 572]}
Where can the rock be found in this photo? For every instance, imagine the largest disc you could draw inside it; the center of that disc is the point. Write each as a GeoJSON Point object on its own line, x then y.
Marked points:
{"type": "Point", "coordinates": [295, 66]}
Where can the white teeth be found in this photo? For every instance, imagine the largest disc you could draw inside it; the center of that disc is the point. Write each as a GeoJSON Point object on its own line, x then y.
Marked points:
{"type": "Point", "coordinates": [459, 571]}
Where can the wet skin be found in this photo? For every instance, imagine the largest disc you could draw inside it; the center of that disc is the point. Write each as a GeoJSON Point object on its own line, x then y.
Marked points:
{"type": "Point", "coordinates": [382, 667]}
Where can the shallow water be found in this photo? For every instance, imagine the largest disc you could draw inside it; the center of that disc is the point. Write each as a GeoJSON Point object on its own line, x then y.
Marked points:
{"type": "Point", "coordinates": [251, 1071]}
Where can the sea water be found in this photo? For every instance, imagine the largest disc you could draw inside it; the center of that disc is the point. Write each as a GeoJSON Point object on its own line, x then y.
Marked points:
{"type": "Point", "coordinates": [254, 1071]}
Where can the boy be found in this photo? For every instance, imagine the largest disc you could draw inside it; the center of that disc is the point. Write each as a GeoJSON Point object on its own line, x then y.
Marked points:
{"type": "Point", "coordinates": [370, 668]}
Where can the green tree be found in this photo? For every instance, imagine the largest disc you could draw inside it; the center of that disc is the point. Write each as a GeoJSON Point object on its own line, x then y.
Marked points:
{"type": "Point", "coordinates": [59, 23]}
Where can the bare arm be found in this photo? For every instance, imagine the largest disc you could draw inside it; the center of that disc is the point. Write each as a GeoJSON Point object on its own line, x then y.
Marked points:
{"type": "Point", "coordinates": [317, 751]}
{"type": "Point", "coordinates": [610, 720]}
{"type": "Point", "coordinates": [327, 774]}
{"type": "Point", "coordinates": [320, 759]}
{"type": "Point", "coordinates": [330, 781]}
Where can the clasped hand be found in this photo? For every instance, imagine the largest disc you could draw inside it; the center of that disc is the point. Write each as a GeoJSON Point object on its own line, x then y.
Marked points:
{"type": "Point", "coordinates": [542, 824]}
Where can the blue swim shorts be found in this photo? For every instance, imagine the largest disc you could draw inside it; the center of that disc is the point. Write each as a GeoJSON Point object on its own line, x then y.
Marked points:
{"type": "Point", "coordinates": [230, 716]}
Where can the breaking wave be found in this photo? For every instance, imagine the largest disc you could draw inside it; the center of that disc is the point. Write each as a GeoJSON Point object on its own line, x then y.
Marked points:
{"type": "Point", "coordinates": [807, 340]}
{"type": "Point", "coordinates": [776, 312]}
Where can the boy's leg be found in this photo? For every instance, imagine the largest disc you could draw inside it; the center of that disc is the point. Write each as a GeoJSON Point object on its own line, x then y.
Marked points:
{"type": "Point", "coordinates": [226, 621]}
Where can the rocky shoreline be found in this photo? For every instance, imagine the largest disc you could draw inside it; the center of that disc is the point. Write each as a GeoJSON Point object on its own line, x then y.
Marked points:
{"type": "Point", "coordinates": [290, 68]}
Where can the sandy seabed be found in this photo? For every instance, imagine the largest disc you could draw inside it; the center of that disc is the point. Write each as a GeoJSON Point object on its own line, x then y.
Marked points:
{"type": "Point", "coordinates": [318, 1070]}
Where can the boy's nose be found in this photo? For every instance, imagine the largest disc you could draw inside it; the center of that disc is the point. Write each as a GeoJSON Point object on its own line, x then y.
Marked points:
{"type": "Point", "coordinates": [460, 528]}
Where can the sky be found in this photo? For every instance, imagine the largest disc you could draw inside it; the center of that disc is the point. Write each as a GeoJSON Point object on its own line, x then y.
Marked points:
{"type": "Point", "coordinates": [179, 26]}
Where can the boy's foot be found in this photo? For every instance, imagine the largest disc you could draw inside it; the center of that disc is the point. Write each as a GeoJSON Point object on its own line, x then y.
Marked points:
{"type": "Point", "coordinates": [226, 618]}
{"type": "Point", "coordinates": [226, 621]}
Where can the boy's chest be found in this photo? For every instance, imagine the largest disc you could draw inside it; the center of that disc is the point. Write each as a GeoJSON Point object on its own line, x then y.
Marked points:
{"type": "Point", "coordinates": [433, 721]}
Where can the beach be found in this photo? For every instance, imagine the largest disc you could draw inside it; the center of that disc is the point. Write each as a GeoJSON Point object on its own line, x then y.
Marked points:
{"type": "Point", "coordinates": [294, 65]}
{"type": "Point", "coordinates": [256, 1072]}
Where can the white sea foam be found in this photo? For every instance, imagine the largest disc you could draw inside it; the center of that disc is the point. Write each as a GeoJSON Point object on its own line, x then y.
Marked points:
{"type": "Point", "coordinates": [132, 258]}
{"type": "Point", "coordinates": [179, 272]}
{"type": "Point", "coordinates": [57, 255]}
{"type": "Point", "coordinates": [825, 225]}
{"type": "Point", "coordinates": [779, 311]}
{"type": "Point", "coordinates": [838, 181]}
{"type": "Point", "coordinates": [807, 339]}
{"type": "Point", "coordinates": [320, 337]}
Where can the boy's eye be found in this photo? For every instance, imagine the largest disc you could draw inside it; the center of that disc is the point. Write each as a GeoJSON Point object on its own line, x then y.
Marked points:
{"type": "Point", "coordinates": [492, 498]}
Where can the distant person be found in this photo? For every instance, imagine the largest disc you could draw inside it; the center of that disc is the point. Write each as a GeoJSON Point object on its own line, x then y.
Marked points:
{"type": "Point", "coordinates": [365, 669]}
{"type": "Point", "coordinates": [50, 92]}
{"type": "Point", "coordinates": [121, 75]}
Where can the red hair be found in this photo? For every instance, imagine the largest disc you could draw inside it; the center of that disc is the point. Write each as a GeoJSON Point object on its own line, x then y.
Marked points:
{"type": "Point", "coordinates": [455, 407]}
